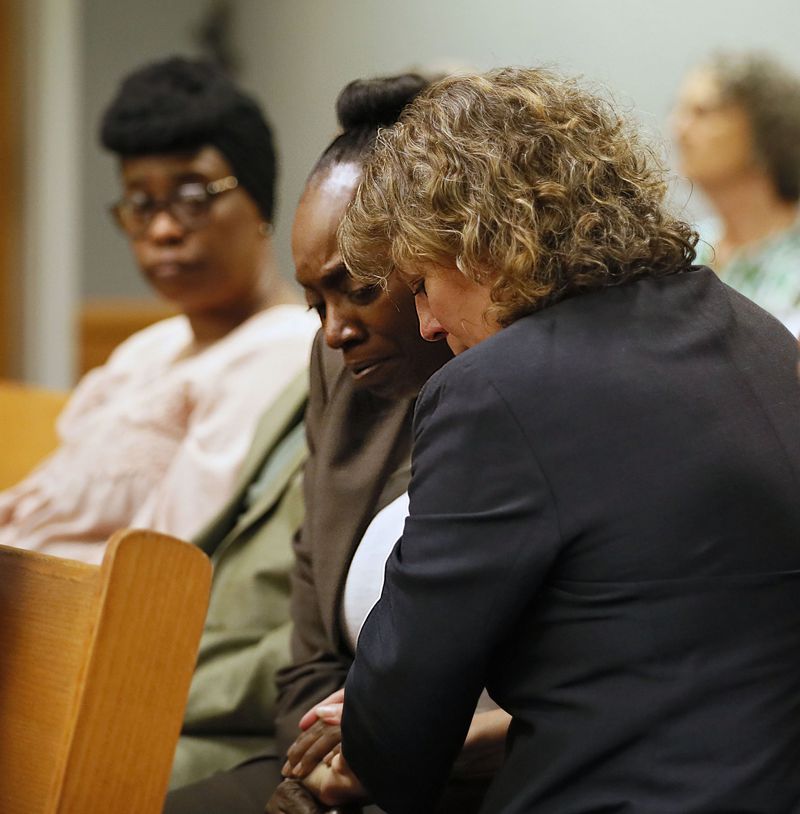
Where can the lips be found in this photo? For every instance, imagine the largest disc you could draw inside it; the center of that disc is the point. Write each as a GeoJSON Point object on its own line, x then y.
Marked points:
{"type": "Point", "coordinates": [169, 269]}
{"type": "Point", "coordinates": [365, 367]}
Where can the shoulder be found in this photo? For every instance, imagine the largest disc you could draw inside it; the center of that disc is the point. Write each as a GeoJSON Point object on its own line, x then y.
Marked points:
{"type": "Point", "coordinates": [573, 345]}
{"type": "Point", "coordinates": [282, 323]}
{"type": "Point", "coordinates": [476, 389]}
{"type": "Point", "coordinates": [161, 340]}
{"type": "Point", "coordinates": [278, 339]}
{"type": "Point", "coordinates": [493, 363]}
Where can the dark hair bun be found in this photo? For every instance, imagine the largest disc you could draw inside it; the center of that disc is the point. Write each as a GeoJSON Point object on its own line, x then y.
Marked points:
{"type": "Point", "coordinates": [373, 103]}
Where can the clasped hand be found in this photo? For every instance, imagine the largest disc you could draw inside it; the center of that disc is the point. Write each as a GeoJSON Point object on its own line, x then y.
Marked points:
{"type": "Point", "coordinates": [318, 777]}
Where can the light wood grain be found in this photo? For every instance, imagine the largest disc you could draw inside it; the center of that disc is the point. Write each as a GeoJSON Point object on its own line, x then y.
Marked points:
{"type": "Point", "coordinates": [95, 666]}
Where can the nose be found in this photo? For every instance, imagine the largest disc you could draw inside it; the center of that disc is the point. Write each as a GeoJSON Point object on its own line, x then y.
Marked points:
{"type": "Point", "coordinates": [165, 228]}
{"type": "Point", "coordinates": [429, 327]}
{"type": "Point", "coordinates": [340, 329]}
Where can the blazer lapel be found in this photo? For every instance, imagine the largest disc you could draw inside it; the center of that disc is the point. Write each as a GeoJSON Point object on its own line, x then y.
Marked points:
{"type": "Point", "coordinates": [284, 459]}
{"type": "Point", "coordinates": [364, 441]}
{"type": "Point", "coordinates": [271, 428]}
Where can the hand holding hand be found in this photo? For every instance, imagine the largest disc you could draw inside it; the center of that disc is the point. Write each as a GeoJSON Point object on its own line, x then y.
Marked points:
{"type": "Point", "coordinates": [328, 710]}
{"type": "Point", "coordinates": [310, 748]}
{"type": "Point", "coordinates": [292, 798]}
{"type": "Point", "coordinates": [334, 783]}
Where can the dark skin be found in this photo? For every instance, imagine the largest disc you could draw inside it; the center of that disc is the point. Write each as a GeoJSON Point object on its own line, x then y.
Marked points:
{"type": "Point", "coordinates": [292, 797]}
{"type": "Point", "coordinates": [376, 329]}
{"type": "Point", "coordinates": [320, 738]}
{"type": "Point", "coordinates": [378, 334]}
{"type": "Point", "coordinates": [218, 275]}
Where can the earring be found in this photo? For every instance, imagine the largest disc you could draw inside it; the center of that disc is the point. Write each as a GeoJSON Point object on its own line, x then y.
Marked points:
{"type": "Point", "coordinates": [265, 229]}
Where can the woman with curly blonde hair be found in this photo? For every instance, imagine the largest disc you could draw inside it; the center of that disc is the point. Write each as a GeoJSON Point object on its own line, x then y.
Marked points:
{"type": "Point", "coordinates": [603, 515]}
{"type": "Point", "coordinates": [539, 179]}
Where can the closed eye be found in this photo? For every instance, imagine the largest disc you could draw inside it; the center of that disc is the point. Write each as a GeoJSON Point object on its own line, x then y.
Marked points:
{"type": "Point", "coordinates": [319, 307]}
{"type": "Point", "coordinates": [364, 295]}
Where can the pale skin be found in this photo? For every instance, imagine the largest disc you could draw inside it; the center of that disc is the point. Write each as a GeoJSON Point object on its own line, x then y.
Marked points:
{"type": "Point", "coordinates": [717, 153]}
{"type": "Point", "coordinates": [451, 307]}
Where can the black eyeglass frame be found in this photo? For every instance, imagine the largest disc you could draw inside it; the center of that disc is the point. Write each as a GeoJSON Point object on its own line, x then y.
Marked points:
{"type": "Point", "coordinates": [136, 225]}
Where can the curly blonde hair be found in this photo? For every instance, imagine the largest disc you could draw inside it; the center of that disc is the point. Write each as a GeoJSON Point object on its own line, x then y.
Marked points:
{"type": "Point", "coordinates": [522, 180]}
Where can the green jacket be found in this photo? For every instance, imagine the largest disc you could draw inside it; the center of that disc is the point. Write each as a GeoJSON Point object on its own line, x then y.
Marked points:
{"type": "Point", "coordinates": [231, 707]}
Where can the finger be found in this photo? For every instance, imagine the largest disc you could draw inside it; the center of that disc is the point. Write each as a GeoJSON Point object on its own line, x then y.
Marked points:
{"type": "Point", "coordinates": [328, 759]}
{"type": "Point", "coordinates": [330, 713]}
{"type": "Point", "coordinates": [316, 753]}
{"type": "Point", "coordinates": [334, 698]}
{"type": "Point", "coordinates": [304, 741]}
{"type": "Point", "coordinates": [309, 718]}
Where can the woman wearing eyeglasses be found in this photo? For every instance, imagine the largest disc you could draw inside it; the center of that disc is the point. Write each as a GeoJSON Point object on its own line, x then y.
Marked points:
{"type": "Point", "coordinates": [155, 437]}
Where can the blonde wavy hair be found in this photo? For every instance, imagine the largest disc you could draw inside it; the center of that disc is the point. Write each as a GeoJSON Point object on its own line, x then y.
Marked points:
{"type": "Point", "coordinates": [522, 180]}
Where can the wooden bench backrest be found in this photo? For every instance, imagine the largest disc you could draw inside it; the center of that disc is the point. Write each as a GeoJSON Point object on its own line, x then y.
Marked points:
{"type": "Point", "coordinates": [27, 428]}
{"type": "Point", "coordinates": [95, 666]}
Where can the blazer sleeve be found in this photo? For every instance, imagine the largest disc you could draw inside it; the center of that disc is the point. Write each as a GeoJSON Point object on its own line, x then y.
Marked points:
{"type": "Point", "coordinates": [316, 669]}
{"type": "Point", "coordinates": [481, 535]}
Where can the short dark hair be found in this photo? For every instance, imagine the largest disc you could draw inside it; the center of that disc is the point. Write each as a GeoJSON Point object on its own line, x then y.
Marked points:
{"type": "Point", "coordinates": [181, 105]}
{"type": "Point", "coordinates": [362, 108]}
{"type": "Point", "coordinates": [769, 94]}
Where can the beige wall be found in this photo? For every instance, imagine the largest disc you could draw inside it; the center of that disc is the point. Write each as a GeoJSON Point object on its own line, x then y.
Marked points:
{"type": "Point", "coordinates": [296, 55]}
{"type": "Point", "coordinates": [301, 52]}
{"type": "Point", "coordinates": [52, 182]}
{"type": "Point", "coordinates": [117, 37]}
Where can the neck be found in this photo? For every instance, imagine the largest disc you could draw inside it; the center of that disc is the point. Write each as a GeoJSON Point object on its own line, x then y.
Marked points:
{"type": "Point", "coordinates": [750, 209]}
{"type": "Point", "coordinates": [271, 289]}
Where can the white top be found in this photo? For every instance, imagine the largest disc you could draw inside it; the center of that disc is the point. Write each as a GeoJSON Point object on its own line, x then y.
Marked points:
{"type": "Point", "coordinates": [364, 582]}
{"type": "Point", "coordinates": [155, 437]}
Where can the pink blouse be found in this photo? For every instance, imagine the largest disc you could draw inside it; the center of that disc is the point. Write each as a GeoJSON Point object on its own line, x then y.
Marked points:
{"type": "Point", "coordinates": [155, 437]}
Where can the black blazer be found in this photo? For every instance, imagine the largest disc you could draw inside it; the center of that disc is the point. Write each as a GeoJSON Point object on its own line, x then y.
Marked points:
{"type": "Point", "coordinates": [605, 531]}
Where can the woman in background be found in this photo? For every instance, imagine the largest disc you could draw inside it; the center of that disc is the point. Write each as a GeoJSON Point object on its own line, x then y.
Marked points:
{"type": "Point", "coordinates": [155, 437]}
{"type": "Point", "coordinates": [737, 128]}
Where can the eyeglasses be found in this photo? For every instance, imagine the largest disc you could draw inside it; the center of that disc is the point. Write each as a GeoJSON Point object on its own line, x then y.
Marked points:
{"type": "Point", "coordinates": [189, 204]}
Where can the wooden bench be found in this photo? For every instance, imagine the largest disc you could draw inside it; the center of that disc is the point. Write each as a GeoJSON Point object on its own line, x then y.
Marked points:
{"type": "Point", "coordinates": [95, 666]}
{"type": "Point", "coordinates": [27, 428]}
